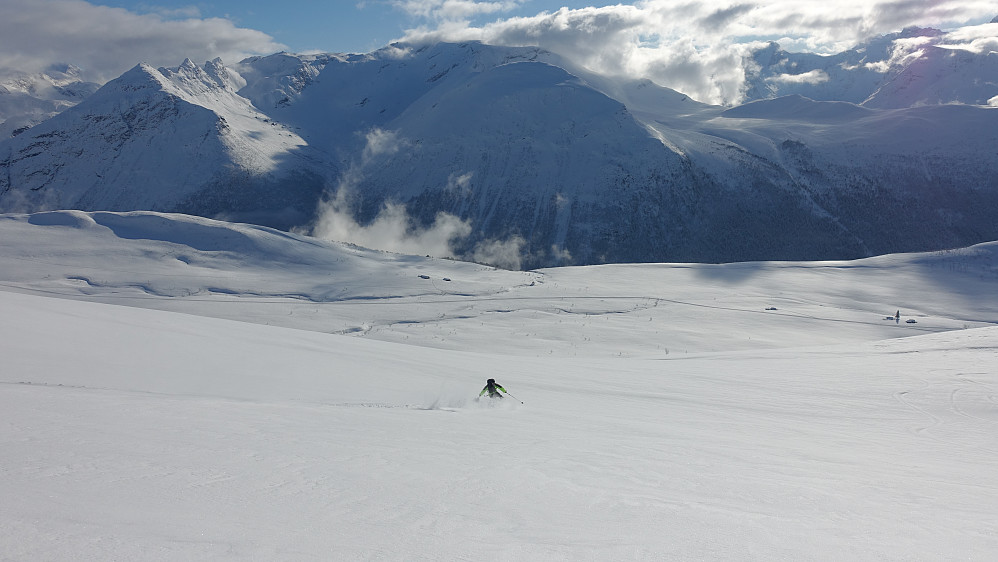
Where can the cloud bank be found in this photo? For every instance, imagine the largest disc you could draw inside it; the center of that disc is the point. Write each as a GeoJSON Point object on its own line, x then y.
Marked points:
{"type": "Point", "coordinates": [105, 41]}
{"type": "Point", "coordinates": [695, 47]}
{"type": "Point", "coordinates": [445, 10]}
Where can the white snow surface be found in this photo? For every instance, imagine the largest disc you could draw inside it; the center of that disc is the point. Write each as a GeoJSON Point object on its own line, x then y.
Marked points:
{"type": "Point", "coordinates": [176, 388]}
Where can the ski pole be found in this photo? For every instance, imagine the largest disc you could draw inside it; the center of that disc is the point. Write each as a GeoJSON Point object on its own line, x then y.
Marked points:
{"type": "Point", "coordinates": [514, 397]}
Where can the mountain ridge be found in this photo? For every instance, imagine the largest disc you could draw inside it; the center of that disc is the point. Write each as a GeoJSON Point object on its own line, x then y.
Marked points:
{"type": "Point", "coordinates": [523, 148]}
{"type": "Point", "coordinates": [152, 139]}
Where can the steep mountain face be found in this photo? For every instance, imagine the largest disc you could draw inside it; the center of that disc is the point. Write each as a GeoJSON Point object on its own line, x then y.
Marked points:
{"type": "Point", "coordinates": [591, 170]}
{"type": "Point", "coordinates": [939, 76]}
{"type": "Point", "coordinates": [916, 66]}
{"type": "Point", "coordinates": [519, 144]}
{"type": "Point", "coordinates": [176, 140]}
{"type": "Point", "coordinates": [529, 150]}
{"type": "Point", "coordinates": [892, 179]}
{"type": "Point", "coordinates": [278, 80]}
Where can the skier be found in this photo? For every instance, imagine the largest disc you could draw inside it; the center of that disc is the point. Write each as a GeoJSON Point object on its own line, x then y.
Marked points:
{"type": "Point", "coordinates": [493, 388]}
{"type": "Point", "coordinates": [897, 317]}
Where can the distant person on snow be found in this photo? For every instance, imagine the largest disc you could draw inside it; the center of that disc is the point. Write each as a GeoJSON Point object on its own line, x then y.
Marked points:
{"type": "Point", "coordinates": [897, 317]}
{"type": "Point", "coordinates": [493, 389]}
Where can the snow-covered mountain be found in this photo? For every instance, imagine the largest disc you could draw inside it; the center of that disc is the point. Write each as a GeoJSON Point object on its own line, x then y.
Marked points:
{"type": "Point", "coordinates": [522, 146]}
{"type": "Point", "coordinates": [916, 66]}
{"type": "Point", "coordinates": [167, 139]}
{"type": "Point", "coordinates": [29, 99]}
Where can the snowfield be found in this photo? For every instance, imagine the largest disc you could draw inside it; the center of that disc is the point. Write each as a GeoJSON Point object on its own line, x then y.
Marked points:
{"type": "Point", "coordinates": [176, 388]}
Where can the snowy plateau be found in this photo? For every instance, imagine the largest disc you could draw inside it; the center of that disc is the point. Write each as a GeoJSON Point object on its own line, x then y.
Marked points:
{"type": "Point", "coordinates": [179, 388]}
{"type": "Point", "coordinates": [886, 148]}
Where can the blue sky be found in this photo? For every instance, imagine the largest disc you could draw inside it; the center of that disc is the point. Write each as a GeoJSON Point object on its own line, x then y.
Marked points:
{"type": "Point", "coordinates": [323, 25]}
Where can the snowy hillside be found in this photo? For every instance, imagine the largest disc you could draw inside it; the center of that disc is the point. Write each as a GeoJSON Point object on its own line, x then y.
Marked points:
{"type": "Point", "coordinates": [528, 161]}
{"type": "Point", "coordinates": [180, 388]}
{"type": "Point", "coordinates": [207, 267]}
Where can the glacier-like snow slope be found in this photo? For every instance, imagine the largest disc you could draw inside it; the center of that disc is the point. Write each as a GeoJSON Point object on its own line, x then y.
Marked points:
{"type": "Point", "coordinates": [694, 423]}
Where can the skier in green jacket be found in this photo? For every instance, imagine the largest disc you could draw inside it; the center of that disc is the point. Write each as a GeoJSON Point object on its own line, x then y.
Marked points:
{"type": "Point", "coordinates": [493, 388]}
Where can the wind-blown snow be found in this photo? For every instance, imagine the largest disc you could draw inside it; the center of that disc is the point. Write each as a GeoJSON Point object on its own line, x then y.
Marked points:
{"type": "Point", "coordinates": [754, 411]}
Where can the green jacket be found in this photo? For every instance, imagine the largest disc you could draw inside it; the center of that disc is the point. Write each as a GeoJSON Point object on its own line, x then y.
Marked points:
{"type": "Point", "coordinates": [491, 389]}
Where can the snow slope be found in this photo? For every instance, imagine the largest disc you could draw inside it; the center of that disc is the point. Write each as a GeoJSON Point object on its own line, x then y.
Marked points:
{"type": "Point", "coordinates": [665, 415]}
{"type": "Point", "coordinates": [240, 272]}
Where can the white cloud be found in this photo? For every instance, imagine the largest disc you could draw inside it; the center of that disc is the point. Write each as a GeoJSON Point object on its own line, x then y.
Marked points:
{"type": "Point", "coordinates": [381, 142]}
{"type": "Point", "coordinates": [978, 39]}
{"type": "Point", "coordinates": [906, 50]}
{"type": "Point", "coordinates": [106, 41]}
{"type": "Point", "coordinates": [185, 12]}
{"type": "Point", "coordinates": [393, 229]}
{"type": "Point", "coordinates": [507, 254]}
{"type": "Point", "coordinates": [459, 183]}
{"type": "Point", "coordinates": [453, 9]}
{"type": "Point", "coordinates": [813, 77]}
{"type": "Point", "coordinates": [561, 255]}
{"type": "Point", "coordinates": [561, 202]}
{"type": "Point", "coordinates": [879, 66]}
{"type": "Point", "coordinates": [697, 48]}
